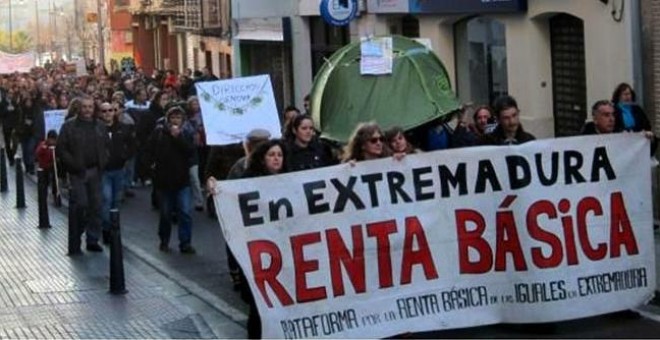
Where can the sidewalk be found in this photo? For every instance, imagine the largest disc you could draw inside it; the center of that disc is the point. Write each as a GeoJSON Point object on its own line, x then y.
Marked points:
{"type": "Point", "coordinates": [46, 294]}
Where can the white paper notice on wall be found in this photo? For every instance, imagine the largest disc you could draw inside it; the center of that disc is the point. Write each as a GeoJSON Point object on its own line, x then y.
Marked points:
{"type": "Point", "coordinates": [377, 56]}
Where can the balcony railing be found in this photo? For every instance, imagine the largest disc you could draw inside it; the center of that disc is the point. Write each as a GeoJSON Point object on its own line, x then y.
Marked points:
{"type": "Point", "coordinates": [202, 15]}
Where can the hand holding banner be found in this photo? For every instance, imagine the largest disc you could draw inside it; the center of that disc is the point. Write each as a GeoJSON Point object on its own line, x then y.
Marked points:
{"type": "Point", "coordinates": [546, 231]}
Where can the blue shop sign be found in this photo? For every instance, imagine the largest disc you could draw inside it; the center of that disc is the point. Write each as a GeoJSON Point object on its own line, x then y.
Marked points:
{"type": "Point", "coordinates": [339, 12]}
{"type": "Point", "coordinates": [467, 6]}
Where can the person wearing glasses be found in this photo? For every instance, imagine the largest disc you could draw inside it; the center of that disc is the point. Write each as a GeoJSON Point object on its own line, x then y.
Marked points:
{"type": "Point", "coordinates": [122, 148]}
{"type": "Point", "coordinates": [366, 143]}
{"type": "Point", "coordinates": [509, 130]}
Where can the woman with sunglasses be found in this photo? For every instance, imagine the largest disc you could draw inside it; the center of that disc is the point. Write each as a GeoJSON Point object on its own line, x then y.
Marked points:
{"type": "Point", "coordinates": [367, 142]}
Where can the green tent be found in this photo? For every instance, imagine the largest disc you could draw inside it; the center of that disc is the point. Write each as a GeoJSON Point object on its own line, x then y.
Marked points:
{"type": "Point", "coordinates": [418, 91]}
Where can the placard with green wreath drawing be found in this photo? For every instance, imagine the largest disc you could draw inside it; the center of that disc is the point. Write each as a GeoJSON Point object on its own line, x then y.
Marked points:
{"type": "Point", "coordinates": [233, 107]}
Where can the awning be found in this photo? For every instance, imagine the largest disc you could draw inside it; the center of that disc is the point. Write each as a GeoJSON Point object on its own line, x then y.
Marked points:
{"type": "Point", "coordinates": [262, 29]}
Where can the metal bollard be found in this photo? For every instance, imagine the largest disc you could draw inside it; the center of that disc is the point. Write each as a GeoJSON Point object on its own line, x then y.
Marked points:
{"type": "Point", "coordinates": [117, 285]}
{"type": "Point", "coordinates": [3, 171]}
{"type": "Point", "coordinates": [73, 232]}
{"type": "Point", "coordinates": [20, 186]}
{"type": "Point", "coordinates": [42, 190]}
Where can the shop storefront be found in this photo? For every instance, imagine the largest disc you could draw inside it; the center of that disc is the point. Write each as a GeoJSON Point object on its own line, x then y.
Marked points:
{"type": "Point", "coordinates": [549, 54]}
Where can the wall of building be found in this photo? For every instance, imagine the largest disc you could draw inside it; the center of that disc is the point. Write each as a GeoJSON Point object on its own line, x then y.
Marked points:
{"type": "Point", "coordinates": [608, 47]}
{"type": "Point", "coordinates": [121, 39]}
{"type": "Point", "coordinates": [262, 8]}
{"type": "Point", "coordinates": [215, 45]}
{"type": "Point", "coordinates": [650, 10]}
{"type": "Point", "coordinates": [144, 47]}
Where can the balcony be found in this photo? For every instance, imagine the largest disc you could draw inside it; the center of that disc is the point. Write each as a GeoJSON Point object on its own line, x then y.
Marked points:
{"type": "Point", "coordinates": [211, 17]}
{"type": "Point", "coordinates": [152, 7]}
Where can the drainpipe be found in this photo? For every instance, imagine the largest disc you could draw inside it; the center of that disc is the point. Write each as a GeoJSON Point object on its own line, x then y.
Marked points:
{"type": "Point", "coordinates": [637, 49]}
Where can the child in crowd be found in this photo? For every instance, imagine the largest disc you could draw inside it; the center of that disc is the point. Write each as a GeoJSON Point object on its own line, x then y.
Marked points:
{"type": "Point", "coordinates": [45, 158]}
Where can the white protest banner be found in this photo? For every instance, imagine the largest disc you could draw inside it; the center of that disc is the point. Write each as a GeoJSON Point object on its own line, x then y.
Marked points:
{"type": "Point", "coordinates": [53, 120]}
{"type": "Point", "coordinates": [10, 63]}
{"type": "Point", "coordinates": [546, 231]}
{"type": "Point", "coordinates": [81, 68]}
{"type": "Point", "coordinates": [233, 107]}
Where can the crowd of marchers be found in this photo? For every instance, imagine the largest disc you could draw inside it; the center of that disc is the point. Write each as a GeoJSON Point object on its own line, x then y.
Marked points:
{"type": "Point", "coordinates": [128, 129]}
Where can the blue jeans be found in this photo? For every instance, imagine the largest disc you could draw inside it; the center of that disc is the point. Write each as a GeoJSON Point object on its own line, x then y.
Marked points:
{"type": "Point", "coordinates": [112, 186]}
{"type": "Point", "coordinates": [181, 202]}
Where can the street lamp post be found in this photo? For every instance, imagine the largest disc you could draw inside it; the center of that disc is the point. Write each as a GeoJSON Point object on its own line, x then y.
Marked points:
{"type": "Point", "coordinates": [100, 34]}
{"type": "Point", "coordinates": [11, 31]}
{"type": "Point", "coordinates": [36, 15]}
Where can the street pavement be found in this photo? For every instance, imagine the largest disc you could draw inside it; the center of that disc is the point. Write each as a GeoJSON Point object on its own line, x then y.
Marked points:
{"type": "Point", "coordinates": [202, 280]}
{"type": "Point", "coordinates": [46, 294]}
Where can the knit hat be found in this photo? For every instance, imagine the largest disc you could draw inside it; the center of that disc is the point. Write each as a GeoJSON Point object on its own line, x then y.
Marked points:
{"type": "Point", "coordinates": [175, 109]}
{"type": "Point", "coordinates": [257, 134]}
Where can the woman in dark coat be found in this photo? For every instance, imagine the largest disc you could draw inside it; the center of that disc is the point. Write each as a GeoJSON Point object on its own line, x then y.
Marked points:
{"type": "Point", "coordinates": [267, 159]}
{"type": "Point", "coordinates": [629, 116]}
{"type": "Point", "coordinates": [304, 149]}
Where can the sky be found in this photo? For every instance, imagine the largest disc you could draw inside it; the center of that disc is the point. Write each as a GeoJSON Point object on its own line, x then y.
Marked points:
{"type": "Point", "coordinates": [23, 13]}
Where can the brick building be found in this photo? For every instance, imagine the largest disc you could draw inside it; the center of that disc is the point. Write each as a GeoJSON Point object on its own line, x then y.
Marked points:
{"type": "Point", "coordinates": [121, 32]}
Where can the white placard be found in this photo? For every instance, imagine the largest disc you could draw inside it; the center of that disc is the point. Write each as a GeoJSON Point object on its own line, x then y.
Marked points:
{"type": "Point", "coordinates": [546, 231]}
{"type": "Point", "coordinates": [81, 68]}
{"type": "Point", "coordinates": [377, 56]}
{"type": "Point", "coordinates": [53, 120]}
{"type": "Point", "coordinates": [233, 107]}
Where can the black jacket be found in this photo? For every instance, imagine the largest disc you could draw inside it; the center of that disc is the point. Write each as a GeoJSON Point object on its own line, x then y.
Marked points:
{"type": "Point", "coordinates": [122, 145]}
{"type": "Point", "coordinates": [69, 145]}
{"type": "Point", "coordinates": [497, 137]}
{"type": "Point", "coordinates": [641, 121]}
{"type": "Point", "coordinates": [312, 157]}
{"type": "Point", "coordinates": [590, 129]}
{"type": "Point", "coordinates": [169, 157]}
{"type": "Point", "coordinates": [221, 159]}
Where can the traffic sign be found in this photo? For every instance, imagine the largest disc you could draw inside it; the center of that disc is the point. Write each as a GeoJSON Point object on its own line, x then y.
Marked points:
{"type": "Point", "coordinates": [339, 12]}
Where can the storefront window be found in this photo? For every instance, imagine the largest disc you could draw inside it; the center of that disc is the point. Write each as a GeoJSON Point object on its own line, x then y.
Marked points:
{"type": "Point", "coordinates": [481, 71]}
{"type": "Point", "coordinates": [325, 40]}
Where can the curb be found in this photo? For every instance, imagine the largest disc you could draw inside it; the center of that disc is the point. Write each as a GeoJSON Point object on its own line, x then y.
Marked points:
{"type": "Point", "coordinates": [193, 288]}
{"type": "Point", "coordinates": [216, 303]}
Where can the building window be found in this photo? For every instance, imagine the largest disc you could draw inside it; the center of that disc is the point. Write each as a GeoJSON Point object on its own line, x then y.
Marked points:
{"type": "Point", "coordinates": [410, 26]}
{"type": "Point", "coordinates": [225, 65]}
{"type": "Point", "coordinates": [195, 58]}
{"type": "Point", "coordinates": [326, 40]}
{"type": "Point", "coordinates": [481, 62]}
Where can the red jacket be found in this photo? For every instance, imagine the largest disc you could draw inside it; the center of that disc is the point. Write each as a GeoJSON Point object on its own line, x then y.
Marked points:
{"type": "Point", "coordinates": [44, 155]}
